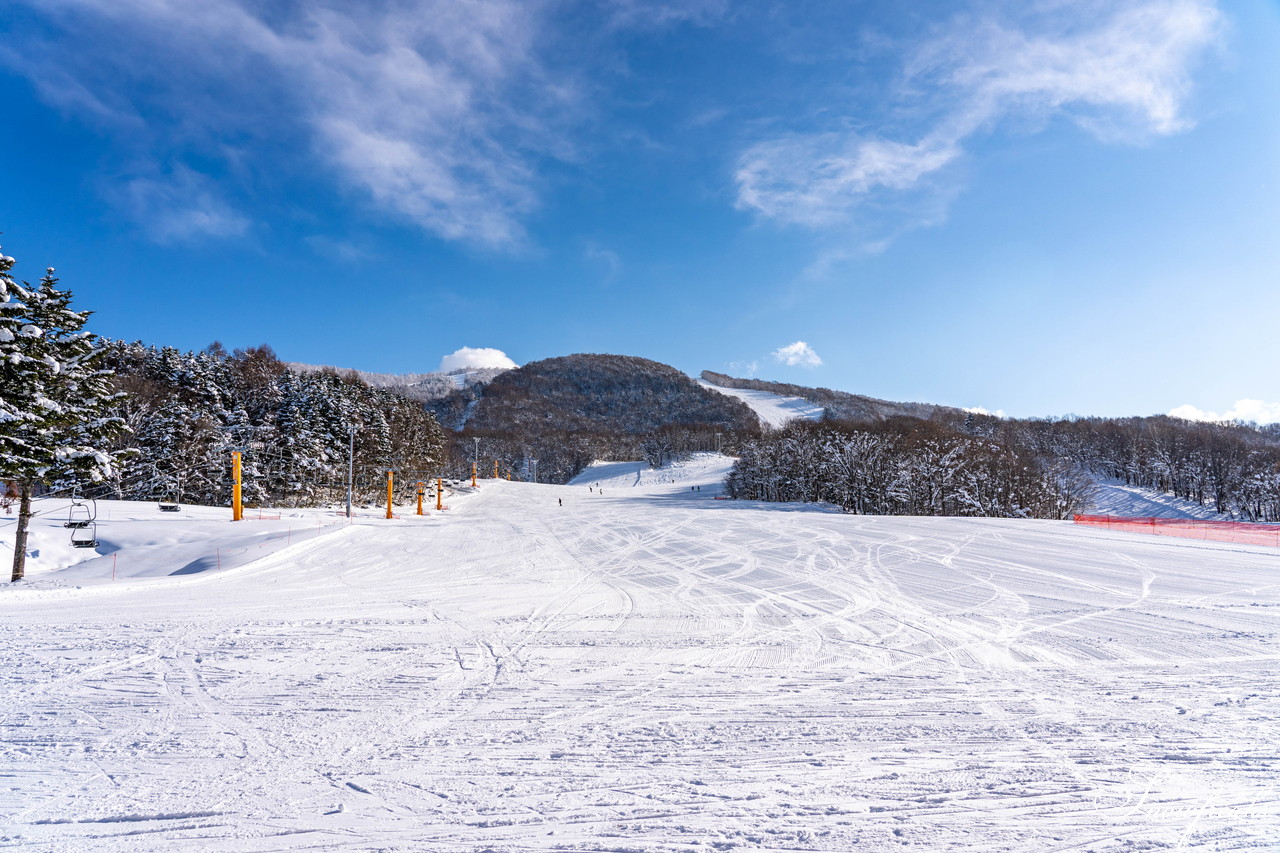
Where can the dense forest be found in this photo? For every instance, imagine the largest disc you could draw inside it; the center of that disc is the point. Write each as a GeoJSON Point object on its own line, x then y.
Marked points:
{"type": "Point", "coordinates": [904, 466]}
{"type": "Point", "coordinates": [1233, 468]}
{"type": "Point", "coordinates": [981, 465]}
{"type": "Point", "coordinates": [187, 411]}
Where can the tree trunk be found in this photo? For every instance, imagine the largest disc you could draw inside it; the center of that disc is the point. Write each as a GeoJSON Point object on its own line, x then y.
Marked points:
{"type": "Point", "coordinates": [20, 538]}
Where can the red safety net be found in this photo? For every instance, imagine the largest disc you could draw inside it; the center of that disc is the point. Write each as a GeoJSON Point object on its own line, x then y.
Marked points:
{"type": "Point", "coordinates": [1190, 528]}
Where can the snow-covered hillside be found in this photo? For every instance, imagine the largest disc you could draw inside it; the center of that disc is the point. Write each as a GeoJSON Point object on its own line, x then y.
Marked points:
{"type": "Point", "coordinates": [774, 410]}
{"type": "Point", "coordinates": [642, 668]}
{"type": "Point", "coordinates": [1115, 498]}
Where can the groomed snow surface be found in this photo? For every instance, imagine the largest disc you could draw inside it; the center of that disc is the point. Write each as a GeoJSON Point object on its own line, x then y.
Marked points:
{"type": "Point", "coordinates": [1112, 497]}
{"type": "Point", "coordinates": [773, 410]}
{"type": "Point", "coordinates": [647, 669]}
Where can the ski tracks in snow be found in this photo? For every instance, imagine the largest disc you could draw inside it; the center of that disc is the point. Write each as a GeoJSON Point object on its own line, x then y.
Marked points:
{"type": "Point", "coordinates": [656, 672]}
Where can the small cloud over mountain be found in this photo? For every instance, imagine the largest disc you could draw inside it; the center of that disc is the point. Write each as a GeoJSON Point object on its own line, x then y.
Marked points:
{"type": "Point", "coordinates": [799, 354]}
{"type": "Point", "coordinates": [476, 358]}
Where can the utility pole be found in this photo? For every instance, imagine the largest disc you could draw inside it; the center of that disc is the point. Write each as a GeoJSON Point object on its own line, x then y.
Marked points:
{"type": "Point", "coordinates": [495, 469]}
{"type": "Point", "coordinates": [351, 463]}
{"type": "Point", "coordinates": [390, 481]}
{"type": "Point", "coordinates": [439, 493]}
{"type": "Point", "coordinates": [475, 461]}
{"type": "Point", "coordinates": [421, 487]}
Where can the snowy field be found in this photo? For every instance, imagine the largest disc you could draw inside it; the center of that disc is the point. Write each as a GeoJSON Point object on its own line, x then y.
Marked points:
{"type": "Point", "coordinates": [647, 669]}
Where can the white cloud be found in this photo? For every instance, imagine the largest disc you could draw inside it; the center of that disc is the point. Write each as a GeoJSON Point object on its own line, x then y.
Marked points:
{"type": "Point", "coordinates": [476, 358]}
{"type": "Point", "coordinates": [1123, 74]}
{"type": "Point", "coordinates": [812, 180]}
{"type": "Point", "coordinates": [799, 354]}
{"type": "Point", "coordinates": [1255, 411]}
{"type": "Point", "coordinates": [180, 207]}
{"type": "Point", "coordinates": [435, 110]}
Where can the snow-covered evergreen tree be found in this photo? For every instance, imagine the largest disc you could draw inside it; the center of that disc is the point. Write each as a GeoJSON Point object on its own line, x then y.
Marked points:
{"type": "Point", "coordinates": [15, 387]}
{"type": "Point", "coordinates": [58, 424]}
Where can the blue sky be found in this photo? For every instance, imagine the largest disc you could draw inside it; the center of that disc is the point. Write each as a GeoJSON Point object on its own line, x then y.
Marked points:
{"type": "Point", "coordinates": [1039, 208]}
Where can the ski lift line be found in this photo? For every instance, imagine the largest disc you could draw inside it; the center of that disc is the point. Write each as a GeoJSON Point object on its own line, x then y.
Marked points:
{"type": "Point", "coordinates": [134, 480]}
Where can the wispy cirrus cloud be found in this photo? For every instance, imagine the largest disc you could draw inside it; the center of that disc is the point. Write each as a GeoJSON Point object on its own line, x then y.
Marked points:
{"type": "Point", "coordinates": [654, 14]}
{"type": "Point", "coordinates": [604, 259]}
{"type": "Point", "coordinates": [180, 207]}
{"type": "Point", "coordinates": [1122, 72]}
{"type": "Point", "coordinates": [433, 110]}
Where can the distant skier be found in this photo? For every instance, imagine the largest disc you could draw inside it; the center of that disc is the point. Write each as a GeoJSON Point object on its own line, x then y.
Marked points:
{"type": "Point", "coordinates": [560, 501]}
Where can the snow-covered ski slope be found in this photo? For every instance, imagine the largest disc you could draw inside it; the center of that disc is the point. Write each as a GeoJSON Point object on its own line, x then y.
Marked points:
{"type": "Point", "coordinates": [1115, 498]}
{"type": "Point", "coordinates": [651, 669]}
{"type": "Point", "coordinates": [773, 410]}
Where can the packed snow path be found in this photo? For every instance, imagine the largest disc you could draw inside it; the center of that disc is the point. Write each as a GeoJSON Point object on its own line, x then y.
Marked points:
{"type": "Point", "coordinates": [654, 670]}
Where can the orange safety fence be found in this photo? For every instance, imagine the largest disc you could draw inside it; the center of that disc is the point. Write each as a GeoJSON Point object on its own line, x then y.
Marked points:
{"type": "Point", "coordinates": [1249, 533]}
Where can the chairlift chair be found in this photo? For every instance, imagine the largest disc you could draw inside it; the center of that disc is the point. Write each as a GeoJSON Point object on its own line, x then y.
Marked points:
{"type": "Point", "coordinates": [80, 514]}
{"type": "Point", "coordinates": [174, 505]}
{"type": "Point", "coordinates": [85, 537]}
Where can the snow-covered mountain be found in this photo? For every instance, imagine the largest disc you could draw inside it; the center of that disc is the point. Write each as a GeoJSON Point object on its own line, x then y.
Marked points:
{"type": "Point", "coordinates": [592, 393]}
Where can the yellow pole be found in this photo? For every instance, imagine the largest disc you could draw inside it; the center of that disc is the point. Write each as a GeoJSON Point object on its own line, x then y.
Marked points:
{"type": "Point", "coordinates": [508, 475]}
{"type": "Point", "coordinates": [390, 481]}
{"type": "Point", "coordinates": [237, 508]}
{"type": "Point", "coordinates": [473, 474]}
{"type": "Point", "coordinates": [420, 497]}
{"type": "Point", "coordinates": [439, 492]}
{"type": "Point", "coordinates": [495, 469]}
